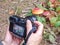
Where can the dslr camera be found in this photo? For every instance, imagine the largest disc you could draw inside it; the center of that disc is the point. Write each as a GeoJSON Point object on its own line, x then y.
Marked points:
{"type": "Point", "coordinates": [18, 25]}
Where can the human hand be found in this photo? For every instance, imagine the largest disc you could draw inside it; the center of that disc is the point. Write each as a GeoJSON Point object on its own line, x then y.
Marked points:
{"type": "Point", "coordinates": [10, 39]}
{"type": "Point", "coordinates": [35, 38]}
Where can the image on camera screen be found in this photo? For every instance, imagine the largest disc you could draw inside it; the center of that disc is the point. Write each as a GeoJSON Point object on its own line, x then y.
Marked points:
{"type": "Point", "coordinates": [18, 30]}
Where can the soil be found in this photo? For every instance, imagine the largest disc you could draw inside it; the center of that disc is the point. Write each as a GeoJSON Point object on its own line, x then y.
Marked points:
{"type": "Point", "coordinates": [8, 8]}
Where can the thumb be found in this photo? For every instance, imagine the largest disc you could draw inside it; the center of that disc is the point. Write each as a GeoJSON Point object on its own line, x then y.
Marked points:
{"type": "Point", "coordinates": [28, 26]}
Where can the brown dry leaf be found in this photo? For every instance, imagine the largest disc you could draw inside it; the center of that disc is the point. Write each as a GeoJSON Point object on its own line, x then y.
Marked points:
{"type": "Point", "coordinates": [57, 2]}
{"type": "Point", "coordinates": [11, 12]}
{"type": "Point", "coordinates": [52, 5]}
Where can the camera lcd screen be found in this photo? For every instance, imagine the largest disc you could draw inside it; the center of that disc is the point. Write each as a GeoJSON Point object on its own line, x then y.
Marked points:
{"type": "Point", "coordinates": [18, 30]}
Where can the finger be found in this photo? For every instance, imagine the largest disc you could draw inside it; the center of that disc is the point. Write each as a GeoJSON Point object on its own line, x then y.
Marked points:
{"type": "Point", "coordinates": [40, 28]}
{"type": "Point", "coordinates": [17, 40]}
{"type": "Point", "coordinates": [8, 37]}
{"type": "Point", "coordinates": [28, 26]}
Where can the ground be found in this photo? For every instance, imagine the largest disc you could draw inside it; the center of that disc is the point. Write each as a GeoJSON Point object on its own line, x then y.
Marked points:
{"type": "Point", "coordinates": [8, 8]}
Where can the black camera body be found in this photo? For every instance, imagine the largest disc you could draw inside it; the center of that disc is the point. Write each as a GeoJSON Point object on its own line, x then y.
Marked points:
{"type": "Point", "coordinates": [18, 25]}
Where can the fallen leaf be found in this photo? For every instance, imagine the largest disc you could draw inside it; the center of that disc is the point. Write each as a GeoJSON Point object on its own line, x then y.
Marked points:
{"type": "Point", "coordinates": [57, 24]}
{"type": "Point", "coordinates": [11, 12]}
{"type": "Point", "coordinates": [41, 19]}
{"type": "Point", "coordinates": [51, 38]}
